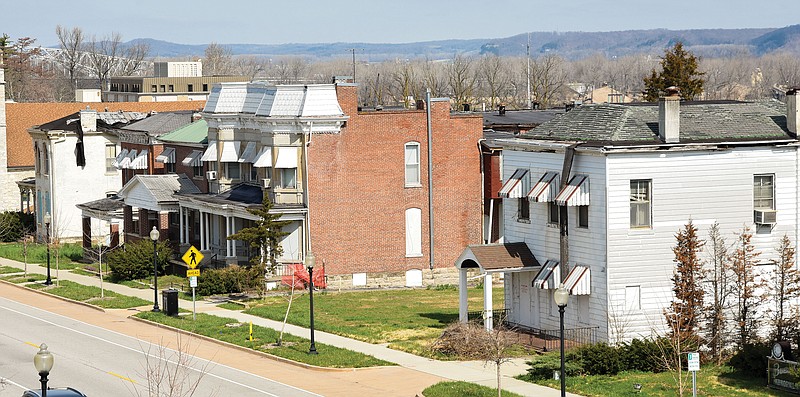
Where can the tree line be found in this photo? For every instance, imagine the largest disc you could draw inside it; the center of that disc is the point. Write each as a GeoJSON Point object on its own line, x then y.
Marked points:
{"type": "Point", "coordinates": [481, 81]}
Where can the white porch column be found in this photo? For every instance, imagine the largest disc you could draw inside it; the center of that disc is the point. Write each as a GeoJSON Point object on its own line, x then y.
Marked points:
{"type": "Point", "coordinates": [462, 296]}
{"type": "Point", "coordinates": [228, 232]}
{"type": "Point", "coordinates": [233, 230]}
{"type": "Point", "coordinates": [487, 302]}
{"type": "Point", "coordinates": [181, 224]}
{"type": "Point", "coordinates": [202, 231]}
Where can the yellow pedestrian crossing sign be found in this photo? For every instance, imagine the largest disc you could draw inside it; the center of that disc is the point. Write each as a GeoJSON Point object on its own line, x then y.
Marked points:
{"type": "Point", "coordinates": [192, 257]}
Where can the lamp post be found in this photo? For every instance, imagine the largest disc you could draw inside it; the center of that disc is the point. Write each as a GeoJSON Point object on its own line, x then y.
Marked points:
{"type": "Point", "coordinates": [154, 235]}
{"type": "Point", "coordinates": [47, 220]}
{"type": "Point", "coordinates": [561, 296]}
{"type": "Point", "coordinates": [310, 265]}
{"type": "Point", "coordinates": [43, 361]}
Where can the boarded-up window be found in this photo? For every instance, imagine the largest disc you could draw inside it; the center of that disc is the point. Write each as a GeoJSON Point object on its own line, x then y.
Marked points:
{"type": "Point", "coordinates": [413, 232]}
{"type": "Point", "coordinates": [291, 242]}
{"type": "Point", "coordinates": [633, 300]}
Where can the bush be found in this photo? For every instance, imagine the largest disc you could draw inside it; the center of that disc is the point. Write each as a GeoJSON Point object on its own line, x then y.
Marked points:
{"type": "Point", "coordinates": [751, 360]}
{"type": "Point", "coordinates": [14, 225]}
{"type": "Point", "coordinates": [599, 359]}
{"type": "Point", "coordinates": [543, 366]}
{"type": "Point", "coordinates": [642, 355]}
{"type": "Point", "coordinates": [135, 260]}
{"type": "Point", "coordinates": [229, 280]}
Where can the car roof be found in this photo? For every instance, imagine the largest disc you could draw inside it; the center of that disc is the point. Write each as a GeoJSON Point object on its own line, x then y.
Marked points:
{"type": "Point", "coordinates": [65, 392]}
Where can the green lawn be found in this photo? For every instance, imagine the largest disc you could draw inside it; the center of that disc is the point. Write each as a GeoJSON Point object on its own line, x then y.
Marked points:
{"type": "Point", "coordinates": [711, 381]}
{"type": "Point", "coordinates": [68, 254]}
{"type": "Point", "coordinates": [9, 269]}
{"type": "Point", "coordinates": [406, 319]}
{"type": "Point", "coordinates": [463, 389]}
{"type": "Point", "coordinates": [91, 295]}
{"type": "Point", "coordinates": [293, 348]}
{"type": "Point", "coordinates": [21, 278]}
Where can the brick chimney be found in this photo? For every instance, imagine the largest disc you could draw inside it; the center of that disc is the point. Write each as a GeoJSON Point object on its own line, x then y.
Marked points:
{"type": "Point", "coordinates": [669, 116]}
{"type": "Point", "coordinates": [89, 120]}
{"type": "Point", "coordinates": [792, 108]}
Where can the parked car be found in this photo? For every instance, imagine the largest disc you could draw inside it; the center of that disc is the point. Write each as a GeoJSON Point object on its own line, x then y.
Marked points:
{"type": "Point", "coordinates": [60, 392]}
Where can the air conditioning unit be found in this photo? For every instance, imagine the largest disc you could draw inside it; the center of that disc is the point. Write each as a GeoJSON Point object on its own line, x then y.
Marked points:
{"type": "Point", "coordinates": [266, 183]}
{"type": "Point", "coordinates": [211, 175]}
{"type": "Point", "coordinates": [765, 217]}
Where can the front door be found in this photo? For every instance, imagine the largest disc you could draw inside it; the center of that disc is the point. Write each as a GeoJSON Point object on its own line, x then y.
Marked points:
{"type": "Point", "coordinates": [525, 298]}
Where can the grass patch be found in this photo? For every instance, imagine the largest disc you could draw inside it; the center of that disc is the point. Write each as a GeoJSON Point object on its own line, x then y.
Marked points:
{"type": "Point", "coordinates": [69, 254]}
{"type": "Point", "coordinates": [463, 389]}
{"type": "Point", "coordinates": [711, 381]}
{"type": "Point", "coordinates": [9, 269]}
{"type": "Point", "coordinates": [235, 306]}
{"type": "Point", "coordinates": [407, 319]}
{"type": "Point", "coordinates": [293, 348]}
{"type": "Point", "coordinates": [21, 278]}
{"type": "Point", "coordinates": [88, 294]}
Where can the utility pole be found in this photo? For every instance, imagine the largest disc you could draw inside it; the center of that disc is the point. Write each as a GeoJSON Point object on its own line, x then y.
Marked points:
{"type": "Point", "coordinates": [354, 64]}
{"type": "Point", "coordinates": [528, 75]}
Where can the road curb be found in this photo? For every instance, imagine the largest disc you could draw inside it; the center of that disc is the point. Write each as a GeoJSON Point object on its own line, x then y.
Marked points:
{"type": "Point", "coordinates": [89, 305]}
{"type": "Point", "coordinates": [257, 352]}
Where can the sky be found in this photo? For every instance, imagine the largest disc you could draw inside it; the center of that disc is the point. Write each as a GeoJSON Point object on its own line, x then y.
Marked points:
{"type": "Point", "coordinates": [376, 21]}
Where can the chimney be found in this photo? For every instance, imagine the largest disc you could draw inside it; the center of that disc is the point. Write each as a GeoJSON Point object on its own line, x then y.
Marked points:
{"type": "Point", "coordinates": [89, 120]}
{"type": "Point", "coordinates": [792, 108]}
{"type": "Point", "coordinates": [669, 116]}
{"type": "Point", "coordinates": [196, 116]}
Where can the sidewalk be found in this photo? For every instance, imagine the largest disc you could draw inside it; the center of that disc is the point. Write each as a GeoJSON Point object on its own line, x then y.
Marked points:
{"type": "Point", "coordinates": [469, 371]}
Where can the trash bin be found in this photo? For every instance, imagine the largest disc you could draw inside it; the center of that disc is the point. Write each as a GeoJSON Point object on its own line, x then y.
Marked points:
{"type": "Point", "coordinates": [170, 301]}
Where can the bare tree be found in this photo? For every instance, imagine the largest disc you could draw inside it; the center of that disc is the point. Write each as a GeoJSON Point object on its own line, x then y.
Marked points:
{"type": "Point", "coordinates": [103, 54]}
{"type": "Point", "coordinates": [748, 287]}
{"type": "Point", "coordinates": [462, 79]}
{"type": "Point", "coordinates": [785, 289]}
{"type": "Point", "coordinates": [218, 60]}
{"type": "Point", "coordinates": [548, 76]}
{"type": "Point", "coordinates": [71, 41]}
{"type": "Point", "coordinates": [134, 56]}
{"type": "Point", "coordinates": [433, 78]}
{"type": "Point", "coordinates": [495, 77]}
{"type": "Point", "coordinates": [171, 372]}
{"type": "Point", "coordinates": [719, 292]}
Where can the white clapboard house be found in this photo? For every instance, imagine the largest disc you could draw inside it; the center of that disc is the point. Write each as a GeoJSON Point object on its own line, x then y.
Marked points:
{"type": "Point", "coordinates": [626, 178]}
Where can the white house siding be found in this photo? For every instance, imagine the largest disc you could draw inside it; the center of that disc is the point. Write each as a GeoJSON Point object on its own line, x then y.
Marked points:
{"type": "Point", "coordinates": [587, 246]}
{"type": "Point", "coordinates": [704, 186]}
{"type": "Point", "coordinates": [74, 185]}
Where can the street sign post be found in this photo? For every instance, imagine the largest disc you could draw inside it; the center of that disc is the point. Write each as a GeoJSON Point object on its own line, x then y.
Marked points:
{"type": "Point", "coordinates": [693, 360]}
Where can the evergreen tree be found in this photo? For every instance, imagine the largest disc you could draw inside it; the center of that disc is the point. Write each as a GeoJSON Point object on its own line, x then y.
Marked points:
{"type": "Point", "coordinates": [265, 236]}
{"type": "Point", "coordinates": [785, 289]}
{"type": "Point", "coordinates": [748, 298]}
{"type": "Point", "coordinates": [678, 69]}
{"type": "Point", "coordinates": [720, 290]}
{"type": "Point", "coordinates": [685, 311]}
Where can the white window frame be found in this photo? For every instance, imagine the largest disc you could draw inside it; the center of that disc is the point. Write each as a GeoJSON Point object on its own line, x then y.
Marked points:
{"type": "Point", "coordinates": [759, 190]}
{"type": "Point", "coordinates": [412, 165]}
{"type": "Point", "coordinates": [582, 216]}
{"type": "Point", "coordinates": [641, 199]}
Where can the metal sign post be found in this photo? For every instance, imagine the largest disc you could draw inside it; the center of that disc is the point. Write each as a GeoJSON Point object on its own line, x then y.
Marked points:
{"type": "Point", "coordinates": [193, 284]}
{"type": "Point", "coordinates": [694, 366]}
{"type": "Point", "coordinates": [192, 257]}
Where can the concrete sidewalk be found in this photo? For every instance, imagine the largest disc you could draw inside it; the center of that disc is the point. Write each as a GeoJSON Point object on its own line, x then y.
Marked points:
{"type": "Point", "coordinates": [469, 371]}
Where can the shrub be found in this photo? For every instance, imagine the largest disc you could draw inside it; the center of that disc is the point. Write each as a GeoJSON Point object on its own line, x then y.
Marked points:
{"type": "Point", "coordinates": [599, 359]}
{"type": "Point", "coordinates": [642, 355]}
{"type": "Point", "coordinates": [751, 360]}
{"type": "Point", "coordinates": [229, 280]}
{"type": "Point", "coordinates": [13, 225]}
{"type": "Point", "coordinates": [135, 260]}
{"type": "Point", "coordinates": [543, 366]}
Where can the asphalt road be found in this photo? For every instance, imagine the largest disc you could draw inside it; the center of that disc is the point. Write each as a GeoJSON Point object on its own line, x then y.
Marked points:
{"type": "Point", "coordinates": [101, 362]}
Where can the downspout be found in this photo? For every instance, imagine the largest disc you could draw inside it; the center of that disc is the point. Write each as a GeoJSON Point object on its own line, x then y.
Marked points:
{"type": "Point", "coordinates": [569, 155]}
{"type": "Point", "coordinates": [305, 176]}
{"type": "Point", "coordinates": [488, 236]}
{"type": "Point", "coordinates": [430, 176]}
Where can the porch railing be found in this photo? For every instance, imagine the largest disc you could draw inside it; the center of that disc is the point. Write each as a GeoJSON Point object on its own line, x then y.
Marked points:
{"type": "Point", "coordinates": [547, 339]}
{"type": "Point", "coordinates": [499, 316]}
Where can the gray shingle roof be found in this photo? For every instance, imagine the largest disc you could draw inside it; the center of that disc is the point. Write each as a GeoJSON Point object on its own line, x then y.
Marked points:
{"type": "Point", "coordinates": [161, 123]}
{"type": "Point", "coordinates": [162, 187]}
{"type": "Point", "coordinates": [638, 123]}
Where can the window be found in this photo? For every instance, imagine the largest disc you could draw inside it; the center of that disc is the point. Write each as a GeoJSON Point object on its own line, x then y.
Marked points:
{"type": "Point", "coordinates": [412, 164]}
{"type": "Point", "coordinates": [197, 171]}
{"type": "Point", "coordinates": [205, 87]}
{"type": "Point", "coordinates": [583, 216]}
{"type": "Point", "coordinates": [171, 88]}
{"type": "Point", "coordinates": [288, 178]}
{"type": "Point", "coordinates": [190, 88]}
{"type": "Point", "coordinates": [641, 206]}
{"type": "Point", "coordinates": [169, 168]}
{"type": "Point", "coordinates": [633, 298]}
{"type": "Point", "coordinates": [46, 170]}
{"type": "Point", "coordinates": [232, 170]}
{"type": "Point", "coordinates": [413, 232]}
{"type": "Point", "coordinates": [162, 88]}
{"type": "Point", "coordinates": [524, 209]}
{"type": "Point", "coordinates": [111, 156]}
{"type": "Point", "coordinates": [553, 213]}
{"type": "Point", "coordinates": [153, 88]}
{"type": "Point", "coordinates": [763, 192]}
{"type": "Point", "coordinates": [36, 155]}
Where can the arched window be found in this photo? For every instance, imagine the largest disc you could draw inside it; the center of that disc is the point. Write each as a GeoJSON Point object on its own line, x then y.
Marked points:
{"type": "Point", "coordinates": [412, 164]}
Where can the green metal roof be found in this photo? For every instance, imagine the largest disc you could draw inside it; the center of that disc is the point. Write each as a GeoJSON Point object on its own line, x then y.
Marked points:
{"type": "Point", "coordinates": [196, 132]}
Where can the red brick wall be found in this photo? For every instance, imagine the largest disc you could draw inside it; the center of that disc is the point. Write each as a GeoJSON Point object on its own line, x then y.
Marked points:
{"type": "Point", "coordinates": [357, 194]}
{"type": "Point", "coordinates": [180, 153]}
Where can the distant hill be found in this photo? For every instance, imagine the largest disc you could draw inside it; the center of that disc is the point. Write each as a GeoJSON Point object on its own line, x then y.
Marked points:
{"type": "Point", "coordinates": [571, 45]}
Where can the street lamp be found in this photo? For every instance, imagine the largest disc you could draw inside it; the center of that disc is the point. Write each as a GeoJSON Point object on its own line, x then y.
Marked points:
{"type": "Point", "coordinates": [561, 296]}
{"type": "Point", "coordinates": [310, 265]}
{"type": "Point", "coordinates": [43, 361]}
{"type": "Point", "coordinates": [47, 220]}
{"type": "Point", "coordinates": [154, 235]}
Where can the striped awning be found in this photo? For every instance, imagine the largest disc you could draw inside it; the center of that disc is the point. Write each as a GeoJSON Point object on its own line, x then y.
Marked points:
{"type": "Point", "coordinates": [264, 158]}
{"type": "Point", "coordinates": [287, 157]}
{"type": "Point", "coordinates": [249, 153]}
{"type": "Point", "coordinates": [549, 277]}
{"type": "Point", "coordinates": [140, 162]}
{"type": "Point", "coordinates": [126, 162]}
{"type": "Point", "coordinates": [211, 152]}
{"type": "Point", "coordinates": [515, 187]}
{"type": "Point", "coordinates": [167, 156]}
{"type": "Point", "coordinates": [544, 191]}
{"type": "Point", "coordinates": [230, 152]}
{"type": "Point", "coordinates": [575, 193]}
{"type": "Point", "coordinates": [193, 159]}
{"type": "Point", "coordinates": [578, 282]}
{"type": "Point", "coordinates": [118, 161]}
